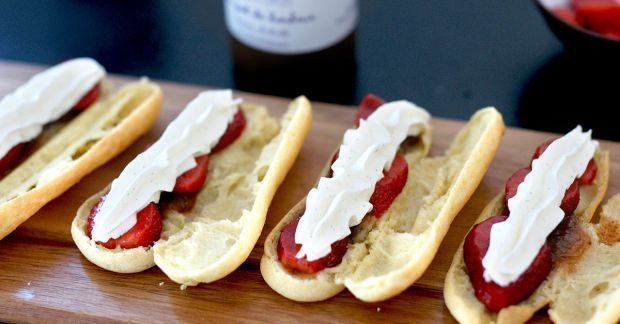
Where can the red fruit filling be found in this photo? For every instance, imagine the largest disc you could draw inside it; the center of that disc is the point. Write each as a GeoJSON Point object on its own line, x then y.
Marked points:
{"type": "Point", "coordinates": [13, 154]}
{"type": "Point", "coordinates": [234, 130]}
{"type": "Point", "coordinates": [540, 149]}
{"type": "Point", "coordinates": [287, 251]}
{"type": "Point", "coordinates": [588, 175]}
{"type": "Point", "coordinates": [492, 295]}
{"type": "Point", "coordinates": [144, 233]}
{"type": "Point", "coordinates": [330, 172]}
{"type": "Point", "coordinates": [11, 157]}
{"type": "Point", "coordinates": [149, 221]}
{"type": "Point", "coordinates": [89, 98]}
{"type": "Point", "coordinates": [369, 104]}
{"type": "Point", "coordinates": [193, 179]}
{"type": "Point", "coordinates": [389, 187]}
{"type": "Point", "coordinates": [386, 190]}
{"type": "Point", "coordinates": [569, 202]}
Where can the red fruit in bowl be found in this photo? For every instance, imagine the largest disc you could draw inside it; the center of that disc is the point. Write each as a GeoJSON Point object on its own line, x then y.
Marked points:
{"type": "Point", "coordinates": [568, 15]}
{"type": "Point", "coordinates": [144, 233]}
{"type": "Point", "coordinates": [571, 195]}
{"type": "Point", "coordinates": [287, 251]}
{"type": "Point", "coordinates": [612, 34]}
{"type": "Point", "coordinates": [492, 295]}
{"type": "Point", "coordinates": [369, 104]}
{"type": "Point", "coordinates": [601, 16]}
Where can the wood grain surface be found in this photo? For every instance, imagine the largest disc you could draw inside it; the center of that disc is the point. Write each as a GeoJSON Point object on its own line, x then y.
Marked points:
{"type": "Point", "coordinates": [43, 276]}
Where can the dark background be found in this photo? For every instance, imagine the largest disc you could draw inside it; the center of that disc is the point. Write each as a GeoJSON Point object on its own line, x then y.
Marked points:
{"type": "Point", "coordinates": [451, 57]}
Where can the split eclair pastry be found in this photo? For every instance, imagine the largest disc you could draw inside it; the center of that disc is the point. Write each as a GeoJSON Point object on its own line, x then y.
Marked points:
{"type": "Point", "coordinates": [59, 126]}
{"type": "Point", "coordinates": [194, 203]}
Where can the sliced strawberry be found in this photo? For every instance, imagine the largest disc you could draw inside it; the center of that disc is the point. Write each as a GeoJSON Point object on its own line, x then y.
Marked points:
{"type": "Point", "coordinates": [330, 172]}
{"type": "Point", "coordinates": [588, 175]}
{"type": "Point", "coordinates": [571, 198]}
{"type": "Point", "coordinates": [569, 202]}
{"type": "Point", "coordinates": [146, 231]}
{"type": "Point", "coordinates": [390, 186]}
{"type": "Point", "coordinates": [234, 130]}
{"type": "Point", "coordinates": [89, 98]}
{"type": "Point", "coordinates": [513, 183]}
{"type": "Point", "coordinates": [9, 159]}
{"type": "Point", "coordinates": [91, 217]}
{"type": "Point", "coordinates": [492, 295]}
{"type": "Point", "coordinates": [568, 15]}
{"type": "Point", "coordinates": [287, 251]}
{"type": "Point", "coordinates": [601, 16]}
{"type": "Point", "coordinates": [612, 34]}
{"type": "Point", "coordinates": [386, 190]}
{"type": "Point", "coordinates": [540, 149]}
{"type": "Point", "coordinates": [335, 157]}
{"type": "Point", "coordinates": [193, 179]}
{"type": "Point", "coordinates": [369, 104]}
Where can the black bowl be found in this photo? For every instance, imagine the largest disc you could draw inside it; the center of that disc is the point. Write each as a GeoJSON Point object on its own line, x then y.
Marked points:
{"type": "Point", "coordinates": [579, 39]}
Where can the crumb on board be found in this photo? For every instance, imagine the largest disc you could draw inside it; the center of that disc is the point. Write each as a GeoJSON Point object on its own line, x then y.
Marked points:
{"type": "Point", "coordinates": [28, 283]}
{"type": "Point", "coordinates": [161, 283]}
{"type": "Point", "coordinates": [378, 309]}
{"type": "Point", "coordinates": [183, 287]}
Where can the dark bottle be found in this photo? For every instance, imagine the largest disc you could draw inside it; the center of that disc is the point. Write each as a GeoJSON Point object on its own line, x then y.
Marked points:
{"type": "Point", "coordinates": [293, 47]}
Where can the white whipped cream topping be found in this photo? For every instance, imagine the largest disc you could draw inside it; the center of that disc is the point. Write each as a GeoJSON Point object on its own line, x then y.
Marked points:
{"type": "Point", "coordinates": [194, 132]}
{"type": "Point", "coordinates": [535, 209]}
{"type": "Point", "coordinates": [46, 97]}
{"type": "Point", "coordinates": [341, 201]}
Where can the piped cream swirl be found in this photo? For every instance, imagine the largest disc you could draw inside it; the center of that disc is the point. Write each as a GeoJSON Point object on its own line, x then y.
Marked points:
{"type": "Point", "coordinates": [44, 98]}
{"type": "Point", "coordinates": [194, 132]}
{"type": "Point", "coordinates": [342, 201]}
{"type": "Point", "coordinates": [535, 209]}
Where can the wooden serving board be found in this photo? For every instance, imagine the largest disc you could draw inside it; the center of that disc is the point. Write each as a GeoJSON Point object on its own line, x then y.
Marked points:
{"type": "Point", "coordinates": [43, 276]}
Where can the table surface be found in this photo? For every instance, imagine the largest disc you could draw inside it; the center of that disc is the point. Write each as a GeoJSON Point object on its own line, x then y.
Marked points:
{"type": "Point", "coordinates": [44, 276]}
{"type": "Point", "coordinates": [451, 57]}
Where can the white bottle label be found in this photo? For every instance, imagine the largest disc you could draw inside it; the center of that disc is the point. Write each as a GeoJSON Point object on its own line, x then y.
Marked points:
{"type": "Point", "coordinates": [290, 26]}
